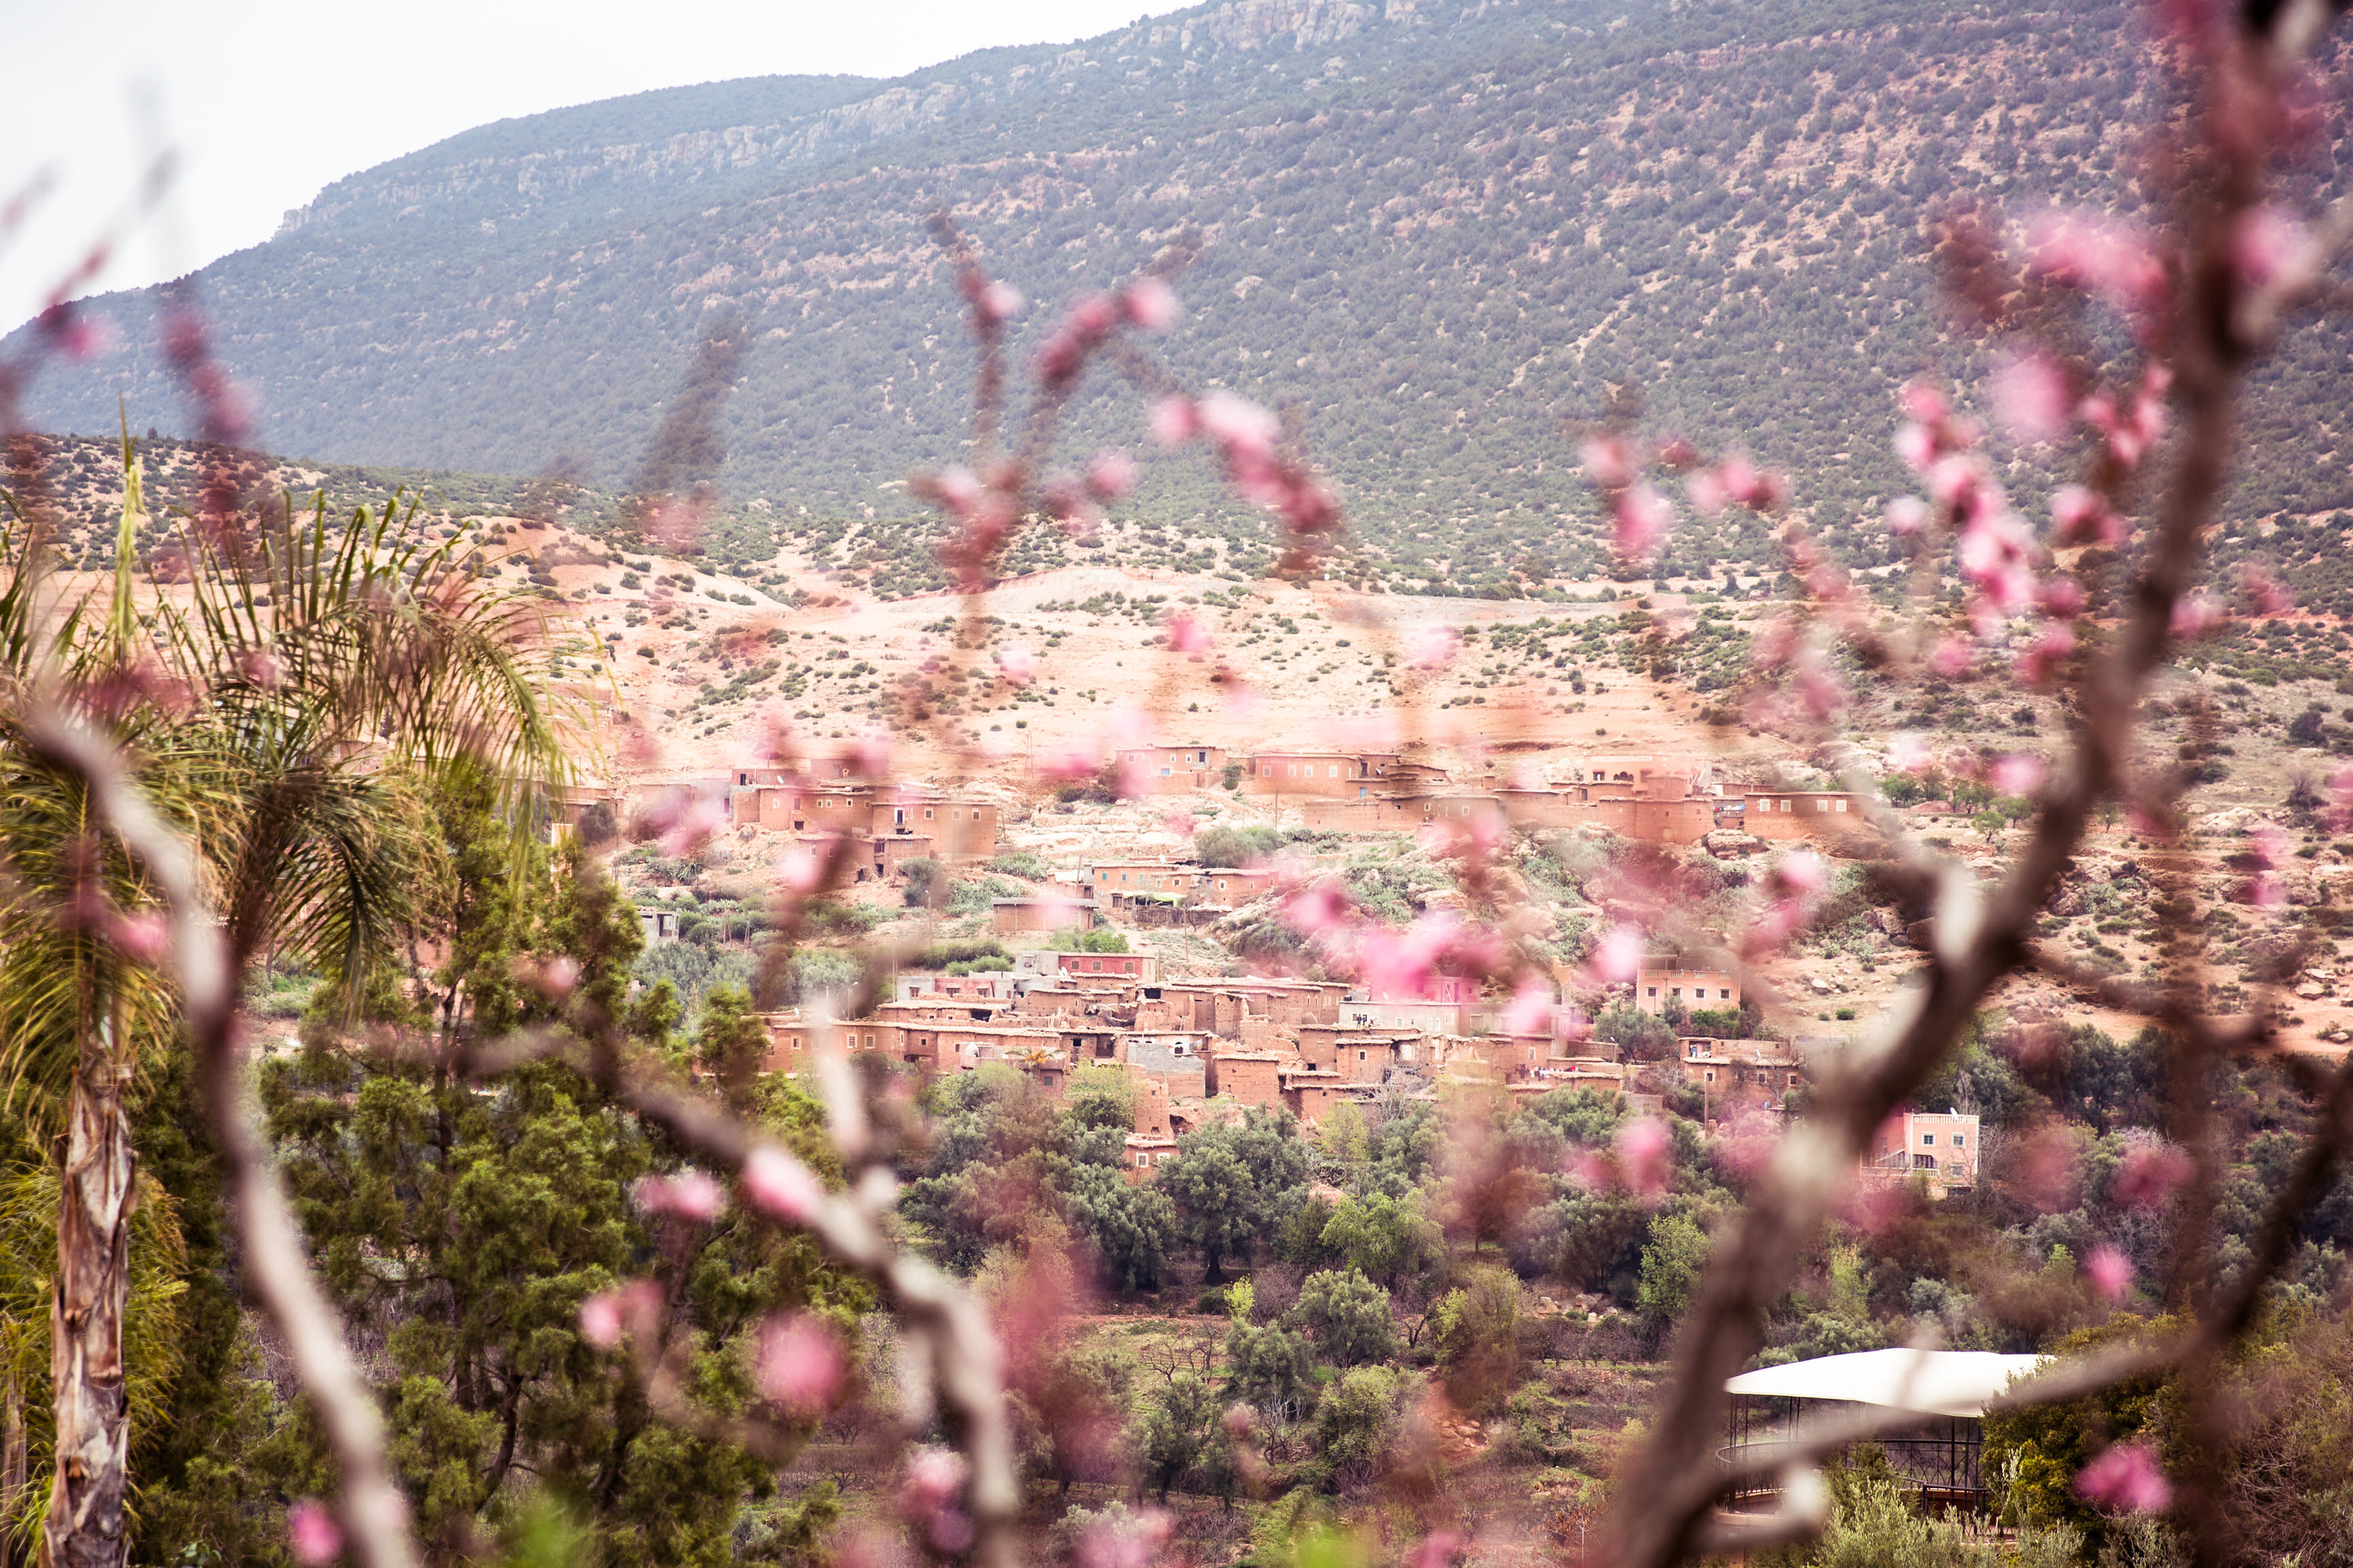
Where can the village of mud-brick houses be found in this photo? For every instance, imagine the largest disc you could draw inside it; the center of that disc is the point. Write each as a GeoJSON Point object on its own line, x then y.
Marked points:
{"type": "Point", "coordinates": [1197, 1047]}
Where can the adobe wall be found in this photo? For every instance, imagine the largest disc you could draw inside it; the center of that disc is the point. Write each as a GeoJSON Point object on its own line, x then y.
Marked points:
{"type": "Point", "coordinates": [1251, 1080]}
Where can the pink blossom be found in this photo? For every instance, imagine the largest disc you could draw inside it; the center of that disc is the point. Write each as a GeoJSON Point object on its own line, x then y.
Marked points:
{"type": "Point", "coordinates": [1093, 316]}
{"type": "Point", "coordinates": [2271, 246]}
{"type": "Point", "coordinates": [1618, 957]}
{"type": "Point", "coordinates": [1923, 403]}
{"type": "Point", "coordinates": [1187, 634]}
{"type": "Point", "coordinates": [2062, 596]}
{"type": "Point", "coordinates": [781, 1185]}
{"type": "Point", "coordinates": [1068, 763]}
{"type": "Point", "coordinates": [2099, 254]}
{"type": "Point", "coordinates": [870, 754]}
{"type": "Point", "coordinates": [934, 1478]}
{"type": "Point", "coordinates": [141, 938]}
{"type": "Point", "coordinates": [1705, 491]}
{"type": "Point", "coordinates": [312, 1533]}
{"type": "Point", "coordinates": [1950, 658]}
{"type": "Point", "coordinates": [1433, 647]}
{"type": "Point", "coordinates": [558, 976]}
{"type": "Point", "coordinates": [2051, 645]}
{"type": "Point", "coordinates": [1017, 664]}
{"type": "Point", "coordinates": [2149, 1175]}
{"type": "Point", "coordinates": [958, 490]}
{"type": "Point", "coordinates": [260, 669]}
{"type": "Point", "coordinates": [1439, 1551]}
{"type": "Point", "coordinates": [2271, 596]}
{"type": "Point", "coordinates": [2029, 394]}
{"type": "Point", "coordinates": [1646, 1155]}
{"type": "Point", "coordinates": [1641, 515]}
{"type": "Point", "coordinates": [2110, 1271]}
{"type": "Point", "coordinates": [1175, 420]}
{"type": "Point", "coordinates": [694, 827]}
{"type": "Point", "coordinates": [2078, 514]}
{"type": "Point", "coordinates": [1150, 304]}
{"type": "Point", "coordinates": [1907, 752]}
{"type": "Point", "coordinates": [1802, 871]}
{"type": "Point", "coordinates": [1530, 1009]}
{"type": "Point", "coordinates": [1135, 1542]}
{"type": "Point", "coordinates": [2018, 773]}
{"type": "Point", "coordinates": [2126, 1479]}
{"type": "Point", "coordinates": [2195, 614]}
{"type": "Point", "coordinates": [996, 303]}
{"type": "Point", "coordinates": [1239, 425]}
{"type": "Point", "coordinates": [690, 1194]}
{"type": "Point", "coordinates": [1906, 514]}
{"type": "Point", "coordinates": [1111, 474]}
{"type": "Point", "coordinates": [800, 1362]}
{"type": "Point", "coordinates": [802, 871]}
{"type": "Point", "coordinates": [1916, 445]}
{"type": "Point", "coordinates": [1606, 461]}
{"type": "Point", "coordinates": [600, 1320]}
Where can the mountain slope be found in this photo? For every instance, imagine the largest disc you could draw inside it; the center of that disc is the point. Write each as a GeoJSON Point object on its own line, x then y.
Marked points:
{"type": "Point", "coordinates": [1435, 231]}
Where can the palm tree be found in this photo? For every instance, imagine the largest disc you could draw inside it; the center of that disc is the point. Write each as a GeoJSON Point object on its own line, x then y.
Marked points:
{"type": "Point", "coordinates": [275, 705]}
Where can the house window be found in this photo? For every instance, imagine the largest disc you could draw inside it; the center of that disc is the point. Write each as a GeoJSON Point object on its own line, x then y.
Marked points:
{"type": "Point", "coordinates": [1143, 1160]}
{"type": "Point", "coordinates": [1711, 1075]}
{"type": "Point", "coordinates": [927, 814]}
{"type": "Point", "coordinates": [1725, 993]}
{"type": "Point", "coordinates": [1841, 804]}
{"type": "Point", "coordinates": [1927, 1138]}
{"type": "Point", "coordinates": [1674, 991]}
{"type": "Point", "coordinates": [1793, 1081]}
{"type": "Point", "coordinates": [1654, 990]}
{"type": "Point", "coordinates": [1960, 1140]}
{"type": "Point", "coordinates": [1336, 771]}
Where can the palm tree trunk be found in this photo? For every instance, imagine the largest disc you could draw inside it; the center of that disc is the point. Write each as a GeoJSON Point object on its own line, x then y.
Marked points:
{"type": "Point", "coordinates": [16, 1467]}
{"type": "Point", "coordinates": [84, 1527]}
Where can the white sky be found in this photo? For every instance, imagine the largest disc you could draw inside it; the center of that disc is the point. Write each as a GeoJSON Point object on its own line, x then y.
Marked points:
{"type": "Point", "coordinates": [268, 100]}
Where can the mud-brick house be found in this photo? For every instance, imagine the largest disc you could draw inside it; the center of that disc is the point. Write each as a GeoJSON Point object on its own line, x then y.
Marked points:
{"type": "Point", "coordinates": [1716, 991]}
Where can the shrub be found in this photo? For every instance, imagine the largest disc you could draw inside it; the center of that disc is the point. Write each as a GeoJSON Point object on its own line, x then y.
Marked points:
{"type": "Point", "coordinates": [1349, 1315]}
{"type": "Point", "coordinates": [1234, 846]}
{"type": "Point", "coordinates": [1356, 1426]}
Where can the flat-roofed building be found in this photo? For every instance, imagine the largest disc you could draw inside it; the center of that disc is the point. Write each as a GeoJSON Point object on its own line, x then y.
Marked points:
{"type": "Point", "coordinates": [1941, 1145]}
{"type": "Point", "coordinates": [1172, 769]}
{"type": "Point", "coordinates": [1715, 990]}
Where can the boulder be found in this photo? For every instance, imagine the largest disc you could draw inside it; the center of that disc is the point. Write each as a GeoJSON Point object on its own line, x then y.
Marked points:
{"type": "Point", "coordinates": [1731, 844]}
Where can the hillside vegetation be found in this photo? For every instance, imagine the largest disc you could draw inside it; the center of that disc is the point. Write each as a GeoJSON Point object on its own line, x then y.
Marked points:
{"type": "Point", "coordinates": [1438, 233]}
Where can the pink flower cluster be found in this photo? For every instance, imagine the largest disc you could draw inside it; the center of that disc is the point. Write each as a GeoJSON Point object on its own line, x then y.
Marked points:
{"type": "Point", "coordinates": [798, 1364]}
{"type": "Point", "coordinates": [1640, 515]}
{"type": "Point", "coordinates": [2127, 1479]}
{"type": "Point", "coordinates": [1642, 1162]}
{"type": "Point", "coordinates": [2009, 572]}
{"type": "Point", "coordinates": [932, 1499]}
{"type": "Point", "coordinates": [1792, 888]}
{"type": "Point", "coordinates": [1248, 444]}
{"type": "Point", "coordinates": [690, 1194]}
{"type": "Point", "coordinates": [634, 1307]}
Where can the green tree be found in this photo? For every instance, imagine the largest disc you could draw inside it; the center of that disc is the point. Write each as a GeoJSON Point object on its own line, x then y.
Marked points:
{"type": "Point", "coordinates": [731, 1044]}
{"type": "Point", "coordinates": [1477, 1328]}
{"type": "Point", "coordinates": [1234, 1186]}
{"type": "Point", "coordinates": [1347, 1314]}
{"type": "Point", "coordinates": [311, 677]}
{"type": "Point", "coordinates": [1179, 1438]}
{"type": "Point", "coordinates": [1266, 1364]}
{"type": "Point", "coordinates": [1384, 1238]}
{"type": "Point", "coordinates": [1672, 1265]}
{"type": "Point", "coordinates": [1356, 1424]}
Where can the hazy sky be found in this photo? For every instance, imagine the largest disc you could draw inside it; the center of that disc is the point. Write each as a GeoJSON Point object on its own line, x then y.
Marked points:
{"type": "Point", "coordinates": [267, 101]}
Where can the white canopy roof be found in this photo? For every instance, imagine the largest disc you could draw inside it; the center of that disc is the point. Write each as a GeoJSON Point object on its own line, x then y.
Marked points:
{"type": "Point", "coordinates": [1935, 1383]}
